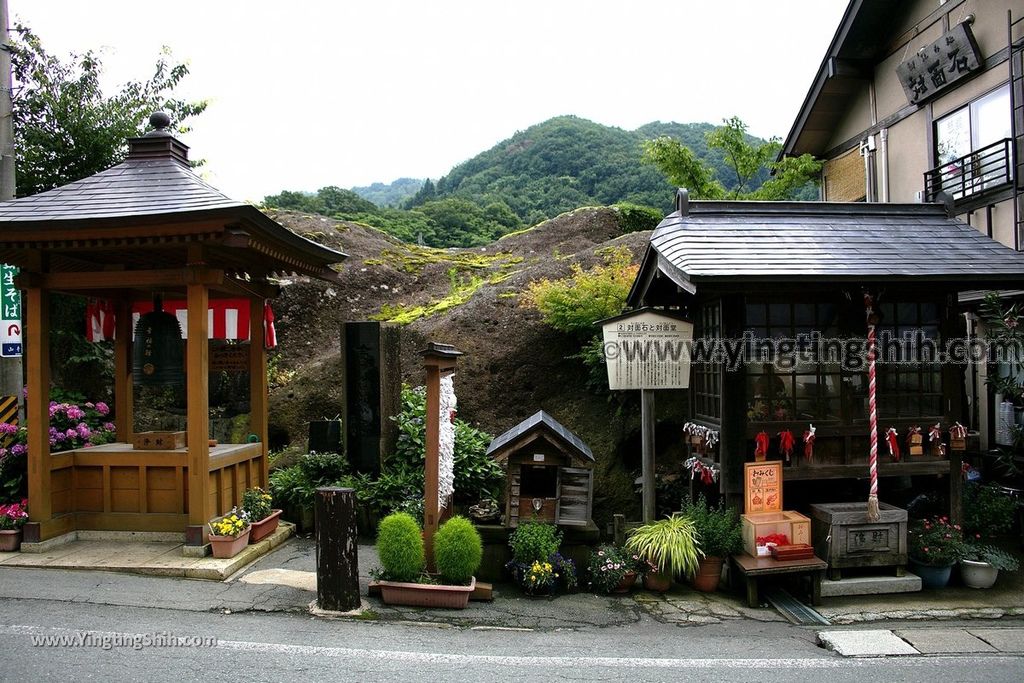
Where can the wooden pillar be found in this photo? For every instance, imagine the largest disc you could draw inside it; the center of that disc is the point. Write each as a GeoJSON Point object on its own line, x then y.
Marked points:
{"type": "Point", "coordinates": [647, 422]}
{"type": "Point", "coordinates": [124, 419]}
{"type": "Point", "coordinates": [258, 415]}
{"type": "Point", "coordinates": [337, 555]}
{"type": "Point", "coordinates": [438, 359]}
{"type": "Point", "coordinates": [198, 400]}
{"type": "Point", "coordinates": [37, 403]}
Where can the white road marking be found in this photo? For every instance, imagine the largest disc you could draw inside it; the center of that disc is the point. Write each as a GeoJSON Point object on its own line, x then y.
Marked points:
{"type": "Point", "coordinates": [823, 662]}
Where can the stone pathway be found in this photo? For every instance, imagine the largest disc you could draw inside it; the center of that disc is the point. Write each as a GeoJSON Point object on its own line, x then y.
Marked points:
{"type": "Point", "coordinates": [924, 641]}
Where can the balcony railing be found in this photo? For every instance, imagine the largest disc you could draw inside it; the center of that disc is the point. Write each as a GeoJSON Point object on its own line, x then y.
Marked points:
{"type": "Point", "coordinates": [986, 169]}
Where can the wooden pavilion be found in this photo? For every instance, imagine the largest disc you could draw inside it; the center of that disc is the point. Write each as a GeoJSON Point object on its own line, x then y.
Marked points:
{"type": "Point", "coordinates": [148, 225]}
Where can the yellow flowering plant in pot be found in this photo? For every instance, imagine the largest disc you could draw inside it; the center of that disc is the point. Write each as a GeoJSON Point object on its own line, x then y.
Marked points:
{"type": "Point", "coordinates": [229, 534]}
{"type": "Point", "coordinates": [257, 506]}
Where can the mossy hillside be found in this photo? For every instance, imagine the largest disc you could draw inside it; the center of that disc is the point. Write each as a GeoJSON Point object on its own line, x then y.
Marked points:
{"type": "Point", "coordinates": [412, 258]}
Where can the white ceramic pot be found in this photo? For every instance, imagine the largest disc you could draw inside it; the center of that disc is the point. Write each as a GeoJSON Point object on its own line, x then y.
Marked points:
{"type": "Point", "coordinates": [978, 574]}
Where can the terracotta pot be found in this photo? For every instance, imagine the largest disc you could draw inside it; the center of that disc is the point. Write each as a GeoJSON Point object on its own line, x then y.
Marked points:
{"type": "Point", "coordinates": [10, 540]}
{"type": "Point", "coordinates": [931, 577]}
{"type": "Point", "coordinates": [657, 581]}
{"type": "Point", "coordinates": [426, 595]}
{"type": "Point", "coordinates": [627, 582]}
{"type": "Point", "coordinates": [978, 574]}
{"type": "Point", "coordinates": [264, 527]}
{"type": "Point", "coordinates": [709, 573]}
{"type": "Point", "coordinates": [225, 547]}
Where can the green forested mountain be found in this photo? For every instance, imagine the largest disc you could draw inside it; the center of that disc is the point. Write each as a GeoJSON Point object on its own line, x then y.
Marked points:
{"type": "Point", "coordinates": [567, 162]}
{"type": "Point", "coordinates": [550, 168]}
{"type": "Point", "coordinates": [392, 194]}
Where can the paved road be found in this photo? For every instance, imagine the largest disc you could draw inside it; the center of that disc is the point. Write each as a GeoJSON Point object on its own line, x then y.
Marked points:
{"type": "Point", "coordinates": [290, 646]}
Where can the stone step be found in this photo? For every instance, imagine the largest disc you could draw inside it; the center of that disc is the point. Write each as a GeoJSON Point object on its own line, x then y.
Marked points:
{"type": "Point", "coordinates": [871, 585]}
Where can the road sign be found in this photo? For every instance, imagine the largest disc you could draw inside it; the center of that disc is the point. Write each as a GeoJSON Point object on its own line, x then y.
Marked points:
{"type": "Point", "coordinates": [10, 313]}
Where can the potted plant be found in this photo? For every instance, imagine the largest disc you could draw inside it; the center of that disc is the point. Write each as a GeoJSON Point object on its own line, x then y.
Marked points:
{"type": "Point", "coordinates": [256, 504]}
{"type": "Point", "coordinates": [611, 570]}
{"type": "Point", "coordinates": [402, 579]}
{"type": "Point", "coordinates": [536, 564]}
{"type": "Point", "coordinates": [719, 534]}
{"type": "Point", "coordinates": [980, 565]}
{"type": "Point", "coordinates": [934, 546]}
{"type": "Point", "coordinates": [669, 548]}
{"type": "Point", "coordinates": [229, 534]}
{"type": "Point", "coordinates": [12, 519]}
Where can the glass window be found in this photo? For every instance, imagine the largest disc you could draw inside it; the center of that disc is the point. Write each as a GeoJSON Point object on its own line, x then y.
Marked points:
{"type": "Point", "coordinates": [970, 154]}
{"type": "Point", "coordinates": [707, 385]}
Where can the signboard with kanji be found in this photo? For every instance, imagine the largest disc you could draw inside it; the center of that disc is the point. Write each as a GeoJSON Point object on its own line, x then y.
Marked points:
{"type": "Point", "coordinates": [10, 313]}
{"type": "Point", "coordinates": [937, 66]}
{"type": "Point", "coordinates": [648, 349]}
{"type": "Point", "coordinates": [763, 489]}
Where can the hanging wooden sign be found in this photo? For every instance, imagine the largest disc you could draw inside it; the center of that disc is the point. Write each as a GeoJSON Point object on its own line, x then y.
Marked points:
{"type": "Point", "coordinates": [939, 65]}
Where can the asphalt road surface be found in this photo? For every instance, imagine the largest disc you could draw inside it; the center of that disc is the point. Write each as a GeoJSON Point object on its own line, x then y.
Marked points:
{"type": "Point", "coordinates": [43, 640]}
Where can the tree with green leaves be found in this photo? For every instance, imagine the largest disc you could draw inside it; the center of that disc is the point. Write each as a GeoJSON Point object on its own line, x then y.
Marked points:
{"type": "Point", "coordinates": [745, 159]}
{"type": "Point", "coordinates": [65, 127]}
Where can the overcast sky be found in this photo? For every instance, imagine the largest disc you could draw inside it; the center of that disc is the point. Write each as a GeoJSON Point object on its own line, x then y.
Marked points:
{"type": "Point", "coordinates": [306, 94]}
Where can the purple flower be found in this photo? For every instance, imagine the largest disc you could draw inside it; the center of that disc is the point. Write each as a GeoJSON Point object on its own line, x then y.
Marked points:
{"type": "Point", "coordinates": [71, 433]}
{"type": "Point", "coordinates": [109, 426]}
{"type": "Point", "coordinates": [75, 413]}
{"type": "Point", "coordinates": [8, 429]}
{"type": "Point", "coordinates": [19, 449]}
{"type": "Point", "coordinates": [102, 408]}
{"type": "Point", "coordinates": [83, 430]}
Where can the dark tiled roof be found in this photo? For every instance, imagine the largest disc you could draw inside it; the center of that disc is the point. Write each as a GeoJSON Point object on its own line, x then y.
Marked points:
{"type": "Point", "coordinates": [535, 421]}
{"type": "Point", "coordinates": [135, 187]}
{"type": "Point", "coordinates": [799, 241]}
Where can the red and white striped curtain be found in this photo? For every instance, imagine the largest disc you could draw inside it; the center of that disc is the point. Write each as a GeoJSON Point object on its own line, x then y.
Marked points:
{"type": "Point", "coordinates": [227, 319]}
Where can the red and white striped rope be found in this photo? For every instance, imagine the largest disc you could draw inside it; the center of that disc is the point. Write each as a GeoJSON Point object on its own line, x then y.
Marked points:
{"type": "Point", "coordinates": [872, 409]}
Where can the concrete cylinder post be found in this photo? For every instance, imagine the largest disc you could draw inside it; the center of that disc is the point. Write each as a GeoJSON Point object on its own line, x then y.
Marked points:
{"type": "Point", "coordinates": [438, 359]}
{"type": "Point", "coordinates": [337, 555]}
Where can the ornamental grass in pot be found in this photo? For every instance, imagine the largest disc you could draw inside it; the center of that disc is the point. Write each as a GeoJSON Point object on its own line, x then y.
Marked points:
{"type": "Point", "coordinates": [403, 580]}
{"type": "Point", "coordinates": [669, 547]}
{"type": "Point", "coordinates": [719, 535]}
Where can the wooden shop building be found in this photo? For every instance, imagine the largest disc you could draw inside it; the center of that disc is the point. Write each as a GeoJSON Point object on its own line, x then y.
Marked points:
{"type": "Point", "coordinates": [788, 279]}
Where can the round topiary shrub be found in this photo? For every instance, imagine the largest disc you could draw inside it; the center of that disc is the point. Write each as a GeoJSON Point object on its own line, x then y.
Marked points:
{"type": "Point", "coordinates": [400, 547]}
{"type": "Point", "coordinates": [457, 550]}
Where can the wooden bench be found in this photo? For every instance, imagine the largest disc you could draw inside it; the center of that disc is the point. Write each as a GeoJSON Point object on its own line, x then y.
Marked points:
{"type": "Point", "coordinates": [753, 568]}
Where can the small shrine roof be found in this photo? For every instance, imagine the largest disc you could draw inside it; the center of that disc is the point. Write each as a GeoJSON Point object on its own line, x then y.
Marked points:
{"type": "Point", "coordinates": [539, 420]}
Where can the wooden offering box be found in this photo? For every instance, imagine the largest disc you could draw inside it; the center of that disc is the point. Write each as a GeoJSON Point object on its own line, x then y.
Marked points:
{"type": "Point", "coordinates": [763, 513]}
{"type": "Point", "coordinates": [158, 441]}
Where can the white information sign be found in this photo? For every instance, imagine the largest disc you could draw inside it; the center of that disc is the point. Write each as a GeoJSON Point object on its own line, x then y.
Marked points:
{"type": "Point", "coordinates": [647, 350]}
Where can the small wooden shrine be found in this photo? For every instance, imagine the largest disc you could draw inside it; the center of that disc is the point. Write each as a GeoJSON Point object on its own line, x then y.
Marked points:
{"type": "Point", "coordinates": [784, 284]}
{"type": "Point", "coordinates": [550, 473]}
{"type": "Point", "coordinates": [147, 226]}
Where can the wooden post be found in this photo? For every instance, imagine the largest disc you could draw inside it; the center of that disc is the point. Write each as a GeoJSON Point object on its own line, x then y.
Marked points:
{"type": "Point", "coordinates": [337, 555]}
{"type": "Point", "coordinates": [124, 420]}
{"type": "Point", "coordinates": [198, 399]}
{"type": "Point", "coordinates": [258, 415]}
{"type": "Point", "coordinates": [438, 359]}
{"type": "Point", "coordinates": [37, 363]}
{"type": "Point", "coordinates": [647, 422]}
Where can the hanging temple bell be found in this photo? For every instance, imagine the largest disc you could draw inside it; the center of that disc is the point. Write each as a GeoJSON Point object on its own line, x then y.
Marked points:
{"type": "Point", "coordinates": [158, 353]}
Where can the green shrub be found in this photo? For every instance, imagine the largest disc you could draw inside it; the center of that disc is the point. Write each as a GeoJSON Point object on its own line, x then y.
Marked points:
{"type": "Point", "coordinates": [718, 528]}
{"type": "Point", "coordinates": [457, 550]}
{"type": "Point", "coordinates": [291, 486]}
{"type": "Point", "coordinates": [987, 511]}
{"type": "Point", "coordinates": [400, 547]}
{"type": "Point", "coordinates": [323, 469]}
{"type": "Point", "coordinates": [636, 218]}
{"type": "Point", "coordinates": [534, 542]}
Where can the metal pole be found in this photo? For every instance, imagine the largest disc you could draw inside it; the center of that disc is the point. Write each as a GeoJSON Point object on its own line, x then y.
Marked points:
{"type": "Point", "coordinates": [337, 552]}
{"type": "Point", "coordinates": [11, 377]}
{"type": "Point", "coordinates": [647, 447]}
